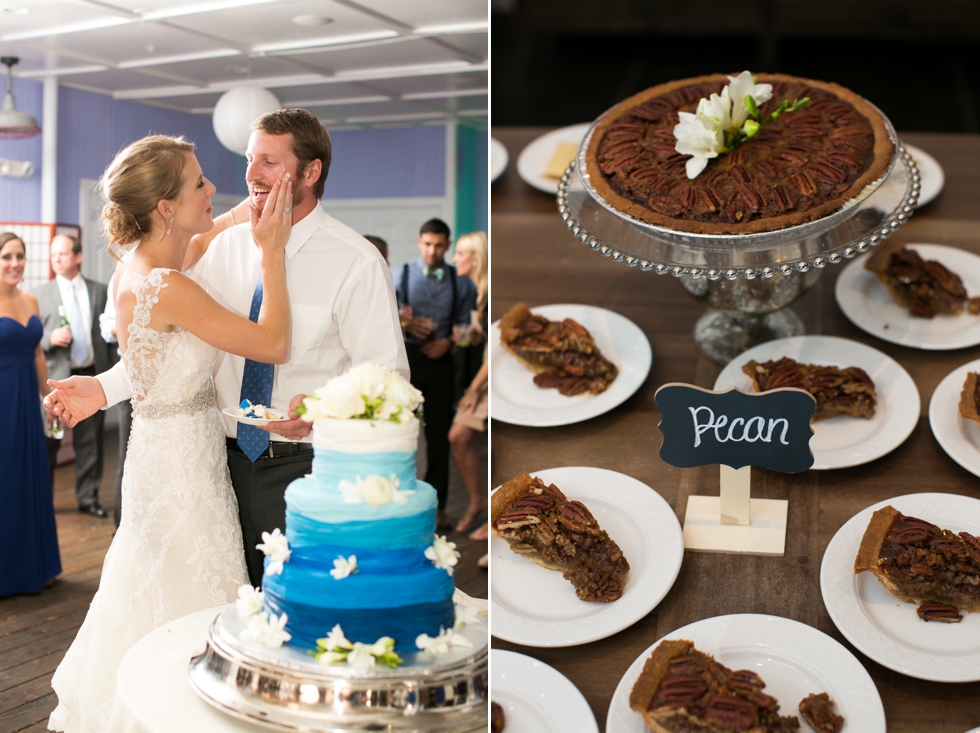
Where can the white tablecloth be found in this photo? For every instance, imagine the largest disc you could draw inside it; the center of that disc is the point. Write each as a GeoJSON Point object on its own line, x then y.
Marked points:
{"type": "Point", "coordinates": [153, 693]}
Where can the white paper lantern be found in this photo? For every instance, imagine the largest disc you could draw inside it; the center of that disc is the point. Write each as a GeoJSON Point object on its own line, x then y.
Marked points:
{"type": "Point", "coordinates": [236, 111]}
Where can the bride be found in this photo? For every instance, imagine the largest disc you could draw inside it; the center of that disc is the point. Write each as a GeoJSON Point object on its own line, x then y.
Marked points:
{"type": "Point", "coordinates": [179, 546]}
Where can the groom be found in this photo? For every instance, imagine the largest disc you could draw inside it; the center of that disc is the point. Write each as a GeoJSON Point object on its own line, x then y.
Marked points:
{"type": "Point", "coordinates": [343, 314]}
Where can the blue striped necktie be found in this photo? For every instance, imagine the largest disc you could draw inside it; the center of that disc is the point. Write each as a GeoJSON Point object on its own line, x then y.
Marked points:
{"type": "Point", "coordinates": [257, 389]}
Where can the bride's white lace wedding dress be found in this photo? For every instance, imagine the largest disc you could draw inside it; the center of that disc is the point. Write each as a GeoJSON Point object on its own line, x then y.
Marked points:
{"type": "Point", "coordinates": [179, 546]}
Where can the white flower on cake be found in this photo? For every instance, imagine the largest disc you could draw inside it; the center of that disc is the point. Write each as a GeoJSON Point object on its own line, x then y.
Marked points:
{"type": "Point", "coordinates": [724, 121]}
{"type": "Point", "coordinates": [267, 629]}
{"type": "Point", "coordinates": [441, 644]}
{"type": "Point", "coordinates": [375, 490]}
{"type": "Point", "coordinates": [335, 648]}
{"type": "Point", "coordinates": [367, 392]}
{"type": "Point", "coordinates": [442, 554]}
{"type": "Point", "coordinates": [465, 615]}
{"type": "Point", "coordinates": [249, 601]}
{"type": "Point", "coordinates": [342, 567]}
{"type": "Point", "coordinates": [276, 547]}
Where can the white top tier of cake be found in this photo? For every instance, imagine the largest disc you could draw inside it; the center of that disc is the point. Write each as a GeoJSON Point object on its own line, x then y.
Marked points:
{"type": "Point", "coordinates": [366, 436]}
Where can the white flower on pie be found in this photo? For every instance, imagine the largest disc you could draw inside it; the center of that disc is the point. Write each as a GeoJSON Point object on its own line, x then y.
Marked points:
{"type": "Point", "coordinates": [699, 137]}
{"type": "Point", "coordinates": [716, 111]}
{"type": "Point", "coordinates": [267, 629]}
{"type": "Point", "coordinates": [335, 640]}
{"type": "Point", "coordinates": [249, 601]}
{"type": "Point", "coordinates": [441, 644]}
{"type": "Point", "coordinates": [342, 567]}
{"type": "Point", "coordinates": [276, 548]}
{"type": "Point", "coordinates": [442, 554]}
{"type": "Point", "coordinates": [465, 614]}
{"type": "Point", "coordinates": [743, 86]}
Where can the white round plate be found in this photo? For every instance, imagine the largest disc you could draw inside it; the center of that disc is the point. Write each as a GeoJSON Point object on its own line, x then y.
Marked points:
{"type": "Point", "coordinates": [792, 658]}
{"type": "Point", "coordinates": [842, 441]}
{"type": "Point", "coordinates": [886, 628]}
{"type": "Point", "coordinates": [498, 159]}
{"type": "Point", "coordinates": [534, 606]}
{"type": "Point", "coordinates": [537, 698]}
{"type": "Point", "coordinates": [535, 157]}
{"type": "Point", "coordinates": [257, 421]}
{"type": "Point", "coordinates": [931, 173]}
{"type": "Point", "coordinates": [516, 399]}
{"type": "Point", "coordinates": [959, 437]}
{"type": "Point", "coordinates": [868, 305]}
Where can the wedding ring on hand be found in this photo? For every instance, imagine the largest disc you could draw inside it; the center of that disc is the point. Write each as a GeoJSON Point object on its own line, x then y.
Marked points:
{"type": "Point", "coordinates": [286, 209]}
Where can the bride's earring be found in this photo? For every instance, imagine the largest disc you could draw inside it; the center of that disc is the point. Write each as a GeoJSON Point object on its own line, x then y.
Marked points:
{"type": "Point", "coordinates": [171, 227]}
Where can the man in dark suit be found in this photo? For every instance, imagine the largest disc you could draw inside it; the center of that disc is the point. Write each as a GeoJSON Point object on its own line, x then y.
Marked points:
{"type": "Point", "coordinates": [76, 349]}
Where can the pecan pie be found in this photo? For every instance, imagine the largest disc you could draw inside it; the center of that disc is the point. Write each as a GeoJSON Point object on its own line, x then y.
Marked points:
{"type": "Point", "coordinates": [797, 168]}
{"type": "Point", "coordinates": [818, 711]}
{"type": "Point", "coordinates": [970, 398]}
{"type": "Point", "coordinates": [563, 354]}
{"type": "Point", "coordinates": [540, 523]}
{"type": "Point", "coordinates": [925, 287]}
{"type": "Point", "coordinates": [682, 690]}
{"type": "Point", "coordinates": [837, 391]}
{"type": "Point", "coordinates": [919, 562]}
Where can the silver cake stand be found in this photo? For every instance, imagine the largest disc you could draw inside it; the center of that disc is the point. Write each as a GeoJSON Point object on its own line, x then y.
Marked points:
{"type": "Point", "coordinates": [747, 280]}
{"type": "Point", "coordinates": [286, 689]}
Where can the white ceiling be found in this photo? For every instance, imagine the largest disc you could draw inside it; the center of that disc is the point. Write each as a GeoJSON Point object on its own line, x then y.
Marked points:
{"type": "Point", "coordinates": [351, 62]}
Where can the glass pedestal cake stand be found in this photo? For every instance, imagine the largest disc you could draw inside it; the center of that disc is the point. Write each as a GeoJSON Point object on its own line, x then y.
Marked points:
{"type": "Point", "coordinates": [286, 689]}
{"type": "Point", "coordinates": [746, 281]}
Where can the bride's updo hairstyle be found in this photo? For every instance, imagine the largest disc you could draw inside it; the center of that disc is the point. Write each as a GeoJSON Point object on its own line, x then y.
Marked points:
{"type": "Point", "coordinates": [141, 175]}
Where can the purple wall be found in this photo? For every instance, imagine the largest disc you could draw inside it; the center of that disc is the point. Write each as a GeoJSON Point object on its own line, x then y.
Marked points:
{"type": "Point", "coordinates": [92, 128]}
{"type": "Point", "coordinates": [375, 163]}
{"type": "Point", "coordinates": [20, 198]}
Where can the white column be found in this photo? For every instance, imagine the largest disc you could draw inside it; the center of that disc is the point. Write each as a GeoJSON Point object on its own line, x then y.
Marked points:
{"type": "Point", "coordinates": [49, 152]}
{"type": "Point", "coordinates": [450, 193]}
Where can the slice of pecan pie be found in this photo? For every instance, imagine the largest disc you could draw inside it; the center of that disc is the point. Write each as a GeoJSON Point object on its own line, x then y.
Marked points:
{"type": "Point", "coordinates": [682, 690]}
{"type": "Point", "coordinates": [540, 523]}
{"type": "Point", "coordinates": [970, 398]}
{"type": "Point", "coordinates": [837, 391]}
{"type": "Point", "coordinates": [818, 711]}
{"type": "Point", "coordinates": [562, 353]}
{"type": "Point", "coordinates": [925, 287]}
{"type": "Point", "coordinates": [919, 562]}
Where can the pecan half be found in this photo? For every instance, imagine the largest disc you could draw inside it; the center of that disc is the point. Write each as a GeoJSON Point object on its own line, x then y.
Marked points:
{"type": "Point", "coordinates": [732, 712]}
{"type": "Point", "coordinates": [909, 535]}
{"type": "Point", "coordinates": [578, 512]}
{"type": "Point", "coordinates": [805, 184]}
{"type": "Point", "coordinates": [933, 611]}
{"type": "Point", "coordinates": [686, 689]}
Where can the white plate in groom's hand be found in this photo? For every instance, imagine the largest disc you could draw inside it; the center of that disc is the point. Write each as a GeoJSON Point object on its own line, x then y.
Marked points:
{"type": "Point", "coordinates": [257, 421]}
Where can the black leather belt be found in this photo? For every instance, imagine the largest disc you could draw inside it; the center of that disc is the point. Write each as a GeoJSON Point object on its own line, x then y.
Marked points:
{"type": "Point", "coordinates": [276, 449]}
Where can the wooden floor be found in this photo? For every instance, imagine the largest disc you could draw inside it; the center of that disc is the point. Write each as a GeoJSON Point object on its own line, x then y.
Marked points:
{"type": "Point", "coordinates": [36, 630]}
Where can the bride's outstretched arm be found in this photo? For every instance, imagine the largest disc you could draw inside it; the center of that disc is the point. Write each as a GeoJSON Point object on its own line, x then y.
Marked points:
{"type": "Point", "coordinates": [186, 305]}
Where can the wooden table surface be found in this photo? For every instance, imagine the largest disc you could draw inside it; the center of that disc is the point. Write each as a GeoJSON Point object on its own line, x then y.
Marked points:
{"type": "Point", "coordinates": [536, 260]}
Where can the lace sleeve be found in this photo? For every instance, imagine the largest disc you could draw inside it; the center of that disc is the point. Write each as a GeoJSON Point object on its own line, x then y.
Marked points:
{"type": "Point", "coordinates": [145, 352]}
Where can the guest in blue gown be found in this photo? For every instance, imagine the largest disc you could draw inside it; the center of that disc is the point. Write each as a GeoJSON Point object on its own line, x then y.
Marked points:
{"type": "Point", "coordinates": [28, 536]}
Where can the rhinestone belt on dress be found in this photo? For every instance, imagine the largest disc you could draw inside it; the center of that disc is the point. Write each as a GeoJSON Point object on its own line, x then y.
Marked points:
{"type": "Point", "coordinates": [198, 403]}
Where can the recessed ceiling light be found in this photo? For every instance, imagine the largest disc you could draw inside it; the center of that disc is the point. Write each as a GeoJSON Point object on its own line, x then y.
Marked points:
{"type": "Point", "coordinates": [17, 11]}
{"type": "Point", "coordinates": [311, 20]}
{"type": "Point", "coordinates": [150, 48]}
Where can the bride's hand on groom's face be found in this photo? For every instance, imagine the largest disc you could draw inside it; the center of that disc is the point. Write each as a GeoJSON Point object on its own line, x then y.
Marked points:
{"type": "Point", "coordinates": [293, 429]}
{"type": "Point", "coordinates": [271, 226]}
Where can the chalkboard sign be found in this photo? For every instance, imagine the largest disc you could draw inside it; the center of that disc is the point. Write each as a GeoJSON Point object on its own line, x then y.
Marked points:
{"type": "Point", "coordinates": [735, 428]}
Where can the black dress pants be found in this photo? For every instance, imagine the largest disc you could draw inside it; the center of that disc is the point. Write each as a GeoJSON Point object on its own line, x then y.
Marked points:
{"type": "Point", "coordinates": [436, 380]}
{"type": "Point", "coordinates": [260, 488]}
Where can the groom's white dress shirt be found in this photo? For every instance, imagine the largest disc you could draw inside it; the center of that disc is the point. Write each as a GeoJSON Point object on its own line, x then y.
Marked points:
{"type": "Point", "coordinates": [342, 302]}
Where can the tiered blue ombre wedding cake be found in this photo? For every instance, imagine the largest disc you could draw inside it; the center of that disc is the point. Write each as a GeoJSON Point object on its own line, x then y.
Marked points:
{"type": "Point", "coordinates": [362, 549]}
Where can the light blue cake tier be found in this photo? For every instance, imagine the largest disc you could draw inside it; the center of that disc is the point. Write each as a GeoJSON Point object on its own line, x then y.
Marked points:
{"type": "Point", "coordinates": [396, 590]}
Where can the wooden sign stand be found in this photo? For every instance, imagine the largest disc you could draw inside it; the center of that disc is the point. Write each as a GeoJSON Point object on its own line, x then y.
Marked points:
{"type": "Point", "coordinates": [733, 521]}
{"type": "Point", "coordinates": [694, 435]}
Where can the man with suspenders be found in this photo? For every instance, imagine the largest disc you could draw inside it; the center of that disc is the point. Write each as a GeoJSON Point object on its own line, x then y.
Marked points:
{"type": "Point", "coordinates": [437, 299]}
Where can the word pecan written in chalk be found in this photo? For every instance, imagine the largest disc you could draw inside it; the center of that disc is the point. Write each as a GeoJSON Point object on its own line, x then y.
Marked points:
{"type": "Point", "coordinates": [758, 423]}
{"type": "Point", "coordinates": [735, 428]}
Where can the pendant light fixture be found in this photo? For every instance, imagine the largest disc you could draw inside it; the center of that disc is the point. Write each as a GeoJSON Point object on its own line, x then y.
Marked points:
{"type": "Point", "coordinates": [14, 124]}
